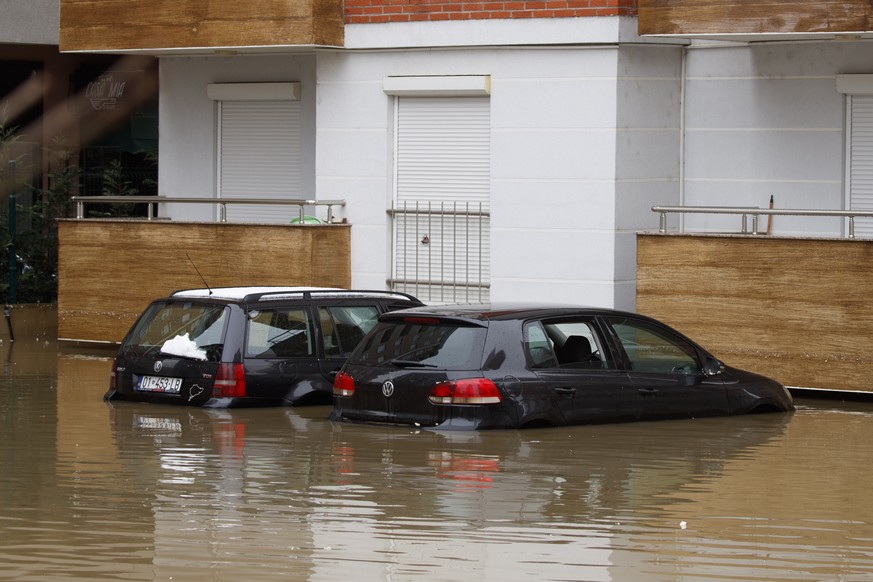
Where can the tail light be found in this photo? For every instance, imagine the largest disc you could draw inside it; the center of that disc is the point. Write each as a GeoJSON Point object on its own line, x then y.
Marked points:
{"type": "Point", "coordinates": [113, 383]}
{"type": "Point", "coordinates": [343, 385]}
{"type": "Point", "coordinates": [230, 381]}
{"type": "Point", "coordinates": [469, 391]}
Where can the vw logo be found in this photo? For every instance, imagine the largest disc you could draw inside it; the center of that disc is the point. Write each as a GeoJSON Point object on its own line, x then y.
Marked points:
{"type": "Point", "coordinates": [158, 365]}
{"type": "Point", "coordinates": [388, 389]}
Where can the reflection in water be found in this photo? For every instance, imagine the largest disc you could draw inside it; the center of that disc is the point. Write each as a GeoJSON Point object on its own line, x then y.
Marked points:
{"type": "Point", "coordinates": [91, 490]}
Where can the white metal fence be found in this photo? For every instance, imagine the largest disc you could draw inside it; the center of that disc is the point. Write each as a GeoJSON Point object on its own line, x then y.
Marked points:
{"type": "Point", "coordinates": [441, 251]}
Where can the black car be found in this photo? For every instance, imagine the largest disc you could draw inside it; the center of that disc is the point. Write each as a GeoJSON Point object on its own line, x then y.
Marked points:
{"type": "Point", "coordinates": [507, 366]}
{"type": "Point", "coordinates": [245, 346]}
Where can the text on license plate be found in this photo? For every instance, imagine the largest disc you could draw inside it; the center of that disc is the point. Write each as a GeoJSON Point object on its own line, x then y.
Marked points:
{"type": "Point", "coordinates": [159, 384]}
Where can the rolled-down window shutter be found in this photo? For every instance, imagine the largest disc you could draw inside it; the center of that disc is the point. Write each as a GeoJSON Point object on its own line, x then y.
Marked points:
{"type": "Point", "coordinates": [259, 148]}
{"type": "Point", "coordinates": [443, 189]}
{"type": "Point", "coordinates": [444, 149]}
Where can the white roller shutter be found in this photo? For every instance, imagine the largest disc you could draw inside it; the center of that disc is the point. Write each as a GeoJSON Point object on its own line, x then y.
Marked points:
{"type": "Point", "coordinates": [444, 149]}
{"type": "Point", "coordinates": [259, 156]}
{"type": "Point", "coordinates": [443, 188]}
{"type": "Point", "coordinates": [861, 161]}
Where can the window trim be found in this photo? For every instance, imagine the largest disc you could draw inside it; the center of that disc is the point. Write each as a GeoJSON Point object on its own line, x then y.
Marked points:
{"type": "Point", "coordinates": [253, 91]}
{"type": "Point", "coordinates": [438, 86]}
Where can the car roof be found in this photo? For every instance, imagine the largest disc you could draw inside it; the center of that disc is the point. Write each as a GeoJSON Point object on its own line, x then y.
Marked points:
{"type": "Point", "coordinates": [483, 312]}
{"type": "Point", "coordinates": [275, 293]}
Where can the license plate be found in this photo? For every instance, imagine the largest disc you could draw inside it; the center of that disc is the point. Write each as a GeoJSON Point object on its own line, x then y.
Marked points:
{"type": "Point", "coordinates": [159, 384]}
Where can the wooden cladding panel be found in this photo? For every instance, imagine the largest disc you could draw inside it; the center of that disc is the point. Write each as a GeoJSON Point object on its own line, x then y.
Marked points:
{"type": "Point", "coordinates": [90, 25]}
{"type": "Point", "coordinates": [795, 310]}
{"type": "Point", "coordinates": [109, 271]}
{"type": "Point", "coordinates": [760, 17]}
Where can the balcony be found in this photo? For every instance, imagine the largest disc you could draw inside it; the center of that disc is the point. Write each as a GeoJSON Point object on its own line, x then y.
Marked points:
{"type": "Point", "coordinates": [110, 269]}
{"type": "Point", "coordinates": [197, 27]}
{"type": "Point", "coordinates": [792, 308]}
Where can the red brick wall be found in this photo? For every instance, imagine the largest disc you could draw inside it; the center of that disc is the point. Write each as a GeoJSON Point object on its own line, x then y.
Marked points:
{"type": "Point", "coordinates": [375, 11]}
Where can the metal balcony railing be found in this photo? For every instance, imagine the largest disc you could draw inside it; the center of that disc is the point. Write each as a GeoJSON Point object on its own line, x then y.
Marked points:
{"type": "Point", "coordinates": [755, 213]}
{"type": "Point", "coordinates": [222, 203]}
{"type": "Point", "coordinates": [441, 250]}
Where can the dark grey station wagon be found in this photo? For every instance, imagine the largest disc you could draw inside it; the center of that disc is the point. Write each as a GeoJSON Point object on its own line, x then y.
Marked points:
{"type": "Point", "coordinates": [507, 366]}
{"type": "Point", "coordinates": [245, 346]}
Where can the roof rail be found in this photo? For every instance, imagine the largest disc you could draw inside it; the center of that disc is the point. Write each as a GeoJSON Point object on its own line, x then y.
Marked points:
{"type": "Point", "coordinates": [241, 292]}
{"type": "Point", "coordinates": [251, 294]}
{"type": "Point", "coordinates": [337, 293]}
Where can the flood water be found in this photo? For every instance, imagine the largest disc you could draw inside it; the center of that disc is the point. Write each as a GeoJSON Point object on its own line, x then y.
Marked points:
{"type": "Point", "coordinates": [90, 491]}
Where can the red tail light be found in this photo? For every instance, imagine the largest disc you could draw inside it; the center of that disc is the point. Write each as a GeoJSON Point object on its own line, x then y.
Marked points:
{"type": "Point", "coordinates": [113, 383]}
{"type": "Point", "coordinates": [469, 391]}
{"type": "Point", "coordinates": [230, 381]}
{"type": "Point", "coordinates": [343, 385]}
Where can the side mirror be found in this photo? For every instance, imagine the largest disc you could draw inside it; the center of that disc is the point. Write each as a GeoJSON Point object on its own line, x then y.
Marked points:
{"type": "Point", "coordinates": [712, 367]}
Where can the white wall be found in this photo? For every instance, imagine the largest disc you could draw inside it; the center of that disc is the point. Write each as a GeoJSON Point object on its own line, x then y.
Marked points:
{"type": "Point", "coordinates": [647, 151]}
{"type": "Point", "coordinates": [187, 121]}
{"type": "Point", "coordinates": [767, 120]}
{"type": "Point", "coordinates": [553, 118]}
{"type": "Point", "coordinates": [584, 142]}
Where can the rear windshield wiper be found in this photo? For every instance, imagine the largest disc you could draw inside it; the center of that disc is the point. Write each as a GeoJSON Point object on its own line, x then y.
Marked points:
{"type": "Point", "coordinates": [181, 356]}
{"type": "Point", "coordinates": [410, 364]}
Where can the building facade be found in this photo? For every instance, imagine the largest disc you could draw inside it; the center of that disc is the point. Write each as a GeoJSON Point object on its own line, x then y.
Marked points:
{"type": "Point", "coordinates": [499, 150]}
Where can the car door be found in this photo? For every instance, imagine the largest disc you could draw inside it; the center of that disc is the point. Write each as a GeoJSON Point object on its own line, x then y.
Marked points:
{"type": "Point", "coordinates": [580, 387]}
{"type": "Point", "coordinates": [281, 354]}
{"type": "Point", "coordinates": [666, 371]}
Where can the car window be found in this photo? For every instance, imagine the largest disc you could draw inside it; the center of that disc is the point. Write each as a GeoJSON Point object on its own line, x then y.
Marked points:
{"type": "Point", "coordinates": [571, 344]}
{"type": "Point", "coordinates": [440, 344]}
{"type": "Point", "coordinates": [279, 333]}
{"type": "Point", "coordinates": [538, 347]}
{"type": "Point", "coordinates": [343, 327]}
{"type": "Point", "coordinates": [653, 349]}
{"type": "Point", "coordinates": [199, 326]}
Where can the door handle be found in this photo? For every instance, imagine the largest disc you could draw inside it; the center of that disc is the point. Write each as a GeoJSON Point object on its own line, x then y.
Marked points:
{"type": "Point", "coordinates": [647, 390]}
{"type": "Point", "coordinates": [565, 390]}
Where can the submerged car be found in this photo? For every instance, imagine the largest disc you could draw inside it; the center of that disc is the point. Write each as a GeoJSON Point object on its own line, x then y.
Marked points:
{"type": "Point", "coordinates": [245, 346]}
{"type": "Point", "coordinates": [513, 366]}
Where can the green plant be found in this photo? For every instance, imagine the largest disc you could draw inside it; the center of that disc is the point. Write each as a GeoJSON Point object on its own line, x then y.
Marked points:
{"type": "Point", "coordinates": [37, 246]}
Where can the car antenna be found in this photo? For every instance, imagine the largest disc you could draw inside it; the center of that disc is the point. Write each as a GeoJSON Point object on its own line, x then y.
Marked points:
{"type": "Point", "coordinates": [198, 273]}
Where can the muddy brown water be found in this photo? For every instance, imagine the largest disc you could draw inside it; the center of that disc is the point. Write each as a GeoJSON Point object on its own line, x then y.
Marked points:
{"type": "Point", "coordinates": [92, 491]}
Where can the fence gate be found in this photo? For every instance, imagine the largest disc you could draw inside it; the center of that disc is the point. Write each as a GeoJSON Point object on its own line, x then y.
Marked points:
{"type": "Point", "coordinates": [441, 251]}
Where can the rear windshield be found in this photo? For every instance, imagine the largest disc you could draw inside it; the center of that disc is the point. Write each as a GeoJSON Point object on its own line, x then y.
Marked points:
{"type": "Point", "coordinates": [185, 329]}
{"type": "Point", "coordinates": [445, 345]}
